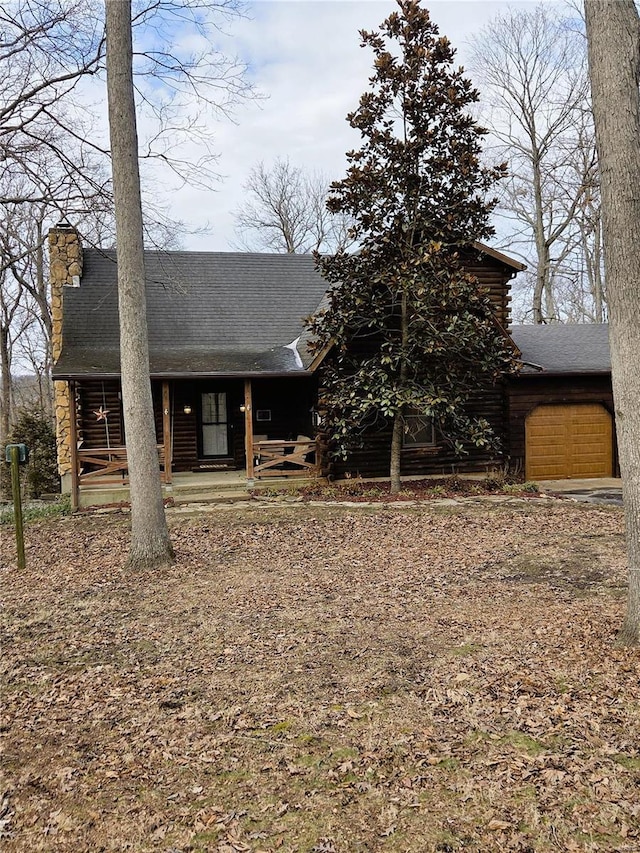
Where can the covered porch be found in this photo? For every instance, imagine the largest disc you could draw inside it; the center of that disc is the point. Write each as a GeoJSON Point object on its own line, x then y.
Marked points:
{"type": "Point", "coordinates": [213, 435]}
{"type": "Point", "coordinates": [188, 488]}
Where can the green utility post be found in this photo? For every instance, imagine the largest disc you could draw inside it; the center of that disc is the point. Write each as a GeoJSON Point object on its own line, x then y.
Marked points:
{"type": "Point", "coordinates": [15, 454]}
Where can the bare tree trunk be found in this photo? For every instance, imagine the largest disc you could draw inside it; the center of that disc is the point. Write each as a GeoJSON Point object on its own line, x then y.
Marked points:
{"type": "Point", "coordinates": [396, 452]}
{"type": "Point", "coordinates": [150, 545]}
{"type": "Point", "coordinates": [398, 421]}
{"type": "Point", "coordinates": [541, 287]}
{"type": "Point", "coordinates": [5, 384]}
{"type": "Point", "coordinates": [596, 263]}
{"type": "Point", "coordinates": [613, 32]}
{"type": "Point", "coordinates": [592, 255]}
{"type": "Point", "coordinates": [41, 288]}
{"type": "Point", "coordinates": [550, 307]}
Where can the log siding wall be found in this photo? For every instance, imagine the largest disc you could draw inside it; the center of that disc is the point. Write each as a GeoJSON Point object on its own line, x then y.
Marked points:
{"type": "Point", "coordinates": [494, 277]}
{"type": "Point", "coordinates": [93, 396]}
{"type": "Point", "coordinates": [373, 458]}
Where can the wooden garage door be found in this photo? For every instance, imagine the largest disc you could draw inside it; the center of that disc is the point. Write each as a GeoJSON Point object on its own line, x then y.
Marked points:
{"type": "Point", "coordinates": [569, 442]}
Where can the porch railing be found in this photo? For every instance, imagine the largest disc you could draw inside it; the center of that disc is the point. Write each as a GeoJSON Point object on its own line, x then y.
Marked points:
{"type": "Point", "coordinates": [285, 458]}
{"type": "Point", "coordinates": [102, 465]}
{"type": "Point", "coordinates": [110, 465]}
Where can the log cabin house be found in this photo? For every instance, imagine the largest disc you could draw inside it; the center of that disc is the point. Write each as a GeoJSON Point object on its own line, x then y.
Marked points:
{"type": "Point", "coordinates": [234, 379]}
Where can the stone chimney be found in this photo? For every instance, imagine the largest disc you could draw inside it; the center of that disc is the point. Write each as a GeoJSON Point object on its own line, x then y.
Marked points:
{"type": "Point", "coordinates": [65, 270]}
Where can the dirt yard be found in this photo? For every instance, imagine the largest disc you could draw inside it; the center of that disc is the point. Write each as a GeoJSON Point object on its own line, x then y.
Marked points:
{"type": "Point", "coordinates": [323, 679]}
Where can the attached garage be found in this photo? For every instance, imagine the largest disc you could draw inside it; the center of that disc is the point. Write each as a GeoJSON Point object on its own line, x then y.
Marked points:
{"type": "Point", "coordinates": [570, 441]}
{"type": "Point", "coordinates": [560, 405]}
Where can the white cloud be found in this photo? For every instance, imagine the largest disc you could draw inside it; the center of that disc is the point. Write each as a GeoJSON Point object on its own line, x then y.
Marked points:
{"type": "Point", "coordinates": [305, 57]}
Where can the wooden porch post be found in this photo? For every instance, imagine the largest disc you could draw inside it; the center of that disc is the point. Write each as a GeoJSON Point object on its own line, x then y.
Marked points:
{"type": "Point", "coordinates": [73, 440]}
{"type": "Point", "coordinates": [248, 431]}
{"type": "Point", "coordinates": [166, 431]}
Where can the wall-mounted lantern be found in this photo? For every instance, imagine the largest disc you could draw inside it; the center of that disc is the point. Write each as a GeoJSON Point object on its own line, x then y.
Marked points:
{"type": "Point", "coordinates": [187, 409]}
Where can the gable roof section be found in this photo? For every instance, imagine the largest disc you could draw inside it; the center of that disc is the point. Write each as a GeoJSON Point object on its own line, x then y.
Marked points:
{"type": "Point", "coordinates": [223, 314]}
{"type": "Point", "coordinates": [563, 348]}
{"type": "Point", "coordinates": [499, 256]}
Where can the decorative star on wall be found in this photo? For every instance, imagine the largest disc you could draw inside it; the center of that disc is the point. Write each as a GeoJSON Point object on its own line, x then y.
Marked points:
{"type": "Point", "coordinates": [101, 414]}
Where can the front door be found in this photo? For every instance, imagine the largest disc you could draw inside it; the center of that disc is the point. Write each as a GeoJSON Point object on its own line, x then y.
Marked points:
{"type": "Point", "coordinates": [214, 424]}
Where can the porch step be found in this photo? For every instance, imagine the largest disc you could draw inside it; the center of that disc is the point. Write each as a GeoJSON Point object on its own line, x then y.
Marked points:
{"type": "Point", "coordinates": [177, 488]}
{"type": "Point", "coordinates": [206, 481]}
{"type": "Point", "coordinates": [211, 497]}
{"type": "Point", "coordinates": [101, 497]}
{"type": "Point", "coordinates": [196, 488]}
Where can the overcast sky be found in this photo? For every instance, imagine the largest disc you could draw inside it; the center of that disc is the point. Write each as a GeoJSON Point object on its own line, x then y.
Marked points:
{"type": "Point", "coordinates": [304, 57]}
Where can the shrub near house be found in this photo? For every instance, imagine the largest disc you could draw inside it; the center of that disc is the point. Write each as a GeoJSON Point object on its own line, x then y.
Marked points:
{"type": "Point", "coordinates": [40, 475]}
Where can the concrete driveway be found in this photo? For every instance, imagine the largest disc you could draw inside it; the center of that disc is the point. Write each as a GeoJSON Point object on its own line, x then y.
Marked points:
{"type": "Point", "coordinates": [607, 490]}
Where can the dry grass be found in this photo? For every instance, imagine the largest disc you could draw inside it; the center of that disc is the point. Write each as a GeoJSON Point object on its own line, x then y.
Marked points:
{"type": "Point", "coordinates": [315, 679]}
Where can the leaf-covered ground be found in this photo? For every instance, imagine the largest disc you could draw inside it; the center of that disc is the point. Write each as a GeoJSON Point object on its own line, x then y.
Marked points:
{"type": "Point", "coordinates": [323, 679]}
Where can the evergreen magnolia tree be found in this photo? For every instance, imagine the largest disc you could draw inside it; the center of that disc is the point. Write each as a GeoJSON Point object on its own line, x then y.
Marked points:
{"type": "Point", "coordinates": [411, 331]}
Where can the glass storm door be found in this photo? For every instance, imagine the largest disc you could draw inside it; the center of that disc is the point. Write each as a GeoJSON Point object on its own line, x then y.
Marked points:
{"type": "Point", "coordinates": [214, 424]}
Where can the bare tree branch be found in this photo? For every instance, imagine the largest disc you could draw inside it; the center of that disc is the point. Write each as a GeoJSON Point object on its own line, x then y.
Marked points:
{"type": "Point", "coordinates": [535, 89]}
{"type": "Point", "coordinates": [285, 211]}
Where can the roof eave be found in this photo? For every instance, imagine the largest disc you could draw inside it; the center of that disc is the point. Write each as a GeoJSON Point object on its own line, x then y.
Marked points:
{"type": "Point", "coordinates": [320, 357]}
{"type": "Point", "coordinates": [255, 374]}
{"type": "Point", "coordinates": [499, 256]}
{"type": "Point", "coordinates": [544, 373]}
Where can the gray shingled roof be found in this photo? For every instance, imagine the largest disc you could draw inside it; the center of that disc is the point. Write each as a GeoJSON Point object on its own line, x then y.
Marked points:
{"type": "Point", "coordinates": [222, 313]}
{"type": "Point", "coordinates": [208, 313]}
{"type": "Point", "coordinates": [564, 348]}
